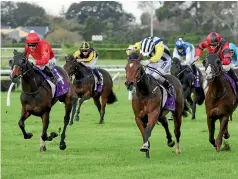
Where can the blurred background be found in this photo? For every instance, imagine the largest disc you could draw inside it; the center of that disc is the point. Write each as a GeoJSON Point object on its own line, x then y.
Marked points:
{"type": "Point", "coordinates": [110, 26]}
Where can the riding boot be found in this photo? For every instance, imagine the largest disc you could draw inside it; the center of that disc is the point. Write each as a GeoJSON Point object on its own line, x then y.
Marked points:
{"type": "Point", "coordinates": [99, 88]}
{"type": "Point", "coordinates": [234, 76]}
{"type": "Point", "coordinates": [195, 72]}
{"type": "Point", "coordinates": [169, 87]}
{"type": "Point", "coordinates": [49, 73]}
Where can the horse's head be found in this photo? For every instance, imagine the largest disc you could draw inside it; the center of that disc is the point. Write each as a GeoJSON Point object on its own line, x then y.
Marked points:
{"type": "Point", "coordinates": [213, 66]}
{"type": "Point", "coordinates": [19, 65]}
{"type": "Point", "coordinates": [133, 72]}
{"type": "Point", "coordinates": [71, 65]}
{"type": "Point", "coordinates": [176, 66]}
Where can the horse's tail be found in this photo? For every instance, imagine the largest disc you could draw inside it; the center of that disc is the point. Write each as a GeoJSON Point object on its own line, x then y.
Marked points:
{"type": "Point", "coordinates": [200, 96]}
{"type": "Point", "coordinates": [186, 109]}
{"type": "Point", "coordinates": [111, 98]}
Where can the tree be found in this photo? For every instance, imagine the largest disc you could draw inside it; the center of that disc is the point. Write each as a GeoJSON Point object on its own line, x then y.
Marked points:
{"type": "Point", "coordinates": [62, 36]}
{"type": "Point", "coordinates": [101, 10]}
{"type": "Point", "coordinates": [18, 14]}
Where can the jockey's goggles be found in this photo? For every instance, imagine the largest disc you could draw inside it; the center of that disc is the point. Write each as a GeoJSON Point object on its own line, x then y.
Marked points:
{"type": "Point", "coordinates": [84, 50]}
{"type": "Point", "coordinates": [32, 45]}
{"type": "Point", "coordinates": [213, 44]}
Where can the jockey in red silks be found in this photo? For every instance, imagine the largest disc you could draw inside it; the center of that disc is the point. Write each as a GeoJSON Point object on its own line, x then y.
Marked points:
{"type": "Point", "coordinates": [42, 53]}
{"type": "Point", "coordinates": [216, 44]}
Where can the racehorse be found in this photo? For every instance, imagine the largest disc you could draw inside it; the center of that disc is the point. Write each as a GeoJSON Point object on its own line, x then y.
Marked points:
{"type": "Point", "coordinates": [37, 98]}
{"type": "Point", "coordinates": [191, 85]}
{"type": "Point", "coordinates": [220, 100]}
{"type": "Point", "coordinates": [148, 103]}
{"type": "Point", "coordinates": [84, 83]}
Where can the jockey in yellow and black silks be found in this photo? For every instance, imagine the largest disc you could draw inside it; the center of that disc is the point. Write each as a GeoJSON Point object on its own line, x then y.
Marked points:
{"type": "Point", "coordinates": [88, 56]}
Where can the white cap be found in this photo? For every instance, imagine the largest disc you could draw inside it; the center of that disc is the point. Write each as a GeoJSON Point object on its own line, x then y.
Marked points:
{"type": "Point", "coordinates": [32, 31]}
{"type": "Point", "coordinates": [180, 38]}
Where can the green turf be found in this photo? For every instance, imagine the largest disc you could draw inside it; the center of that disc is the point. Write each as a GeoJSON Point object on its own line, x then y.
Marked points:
{"type": "Point", "coordinates": [111, 150]}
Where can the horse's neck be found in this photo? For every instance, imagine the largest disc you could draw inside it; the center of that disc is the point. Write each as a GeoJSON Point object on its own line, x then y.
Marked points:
{"type": "Point", "coordinates": [31, 81]}
{"type": "Point", "coordinates": [143, 86]}
{"type": "Point", "coordinates": [216, 87]}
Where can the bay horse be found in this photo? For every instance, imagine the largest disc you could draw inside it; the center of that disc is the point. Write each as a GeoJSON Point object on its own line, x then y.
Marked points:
{"type": "Point", "coordinates": [37, 97]}
{"type": "Point", "coordinates": [147, 103]}
{"type": "Point", "coordinates": [220, 100]}
{"type": "Point", "coordinates": [84, 83]}
{"type": "Point", "coordinates": [190, 84]}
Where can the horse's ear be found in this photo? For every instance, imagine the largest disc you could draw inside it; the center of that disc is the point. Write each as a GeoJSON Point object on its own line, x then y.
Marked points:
{"type": "Point", "coordinates": [14, 51]}
{"type": "Point", "coordinates": [140, 57]}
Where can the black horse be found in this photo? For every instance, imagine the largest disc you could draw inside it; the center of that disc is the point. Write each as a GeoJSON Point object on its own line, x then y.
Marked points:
{"type": "Point", "coordinates": [190, 84]}
{"type": "Point", "coordinates": [84, 87]}
{"type": "Point", "coordinates": [37, 97]}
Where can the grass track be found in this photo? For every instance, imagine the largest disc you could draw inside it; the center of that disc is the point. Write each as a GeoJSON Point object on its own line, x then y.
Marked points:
{"type": "Point", "coordinates": [111, 150]}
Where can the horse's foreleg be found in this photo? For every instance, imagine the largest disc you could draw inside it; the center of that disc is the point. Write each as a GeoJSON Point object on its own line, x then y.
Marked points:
{"type": "Point", "coordinates": [194, 109]}
{"type": "Point", "coordinates": [152, 118]}
{"type": "Point", "coordinates": [79, 106]}
{"type": "Point", "coordinates": [21, 123]}
{"type": "Point", "coordinates": [142, 126]}
{"type": "Point", "coordinates": [74, 105]}
{"type": "Point", "coordinates": [177, 132]}
{"type": "Point", "coordinates": [164, 123]}
{"type": "Point", "coordinates": [44, 137]}
{"type": "Point", "coordinates": [211, 129]}
{"type": "Point", "coordinates": [68, 107]}
{"type": "Point", "coordinates": [223, 128]}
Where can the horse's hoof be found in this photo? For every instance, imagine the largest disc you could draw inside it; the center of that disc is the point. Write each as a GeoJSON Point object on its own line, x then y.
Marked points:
{"type": "Point", "coordinates": [218, 148]}
{"type": "Point", "coordinates": [193, 118]}
{"type": "Point", "coordinates": [144, 149]}
{"type": "Point", "coordinates": [171, 144]}
{"type": "Point", "coordinates": [53, 134]}
{"type": "Point", "coordinates": [28, 136]}
{"type": "Point", "coordinates": [226, 136]}
{"type": "Point", "coordinates": [226, 147]}
{"type": "Point", "coordinates": [62, 146]}
{"type": "Point", "coordinates": [178, 151]}
{"type": "Point", "coordinates": [101, 122]}
{"type": "Point", "coordinates": [76, 118]}
{"type": "Point", "coordinates": [42, 148]}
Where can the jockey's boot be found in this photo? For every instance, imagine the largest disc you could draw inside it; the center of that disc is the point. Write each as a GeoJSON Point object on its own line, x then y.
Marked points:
{"type": "Point", "coordinates": [234, 76]}
{"type": "Point", "coordinates": [195, 72]}
{"type": "Point", "coordinates": [48, 72]}
{"type": "Point", "coordinates": [99, 87]}
{"type": "Point", "coordinates": [169, 87]}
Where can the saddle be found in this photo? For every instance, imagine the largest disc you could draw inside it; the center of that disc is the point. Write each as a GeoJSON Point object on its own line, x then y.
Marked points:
{"type": "Point", "coordinates": [60, 88]}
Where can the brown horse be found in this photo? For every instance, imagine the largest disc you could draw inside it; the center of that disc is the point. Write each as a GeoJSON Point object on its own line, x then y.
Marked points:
{"type": "Point", "coordinates": [37, 98]}
{"type": "Point", "coordinates": [147, 103]}
{"type": "Point", "coordinates": [84, 83]}
{"type": "Point", "coordinates": [220, 99]}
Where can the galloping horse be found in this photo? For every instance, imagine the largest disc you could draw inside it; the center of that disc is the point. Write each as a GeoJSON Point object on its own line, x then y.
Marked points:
{"type": "Point", "coordinates": [220, 99]}
{"type": "Point", "coordinates": [191, 85]}
{"type": "Point", "coordinates": [151, 102]}
{"type": "Point", "coordinates": [84, 83]}
{"type": "Point", "coordinates": [37, 98]}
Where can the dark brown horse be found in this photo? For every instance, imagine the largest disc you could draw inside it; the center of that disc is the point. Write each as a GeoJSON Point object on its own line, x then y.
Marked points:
{"type": "Point", "coordinates": [220, 100]}
{"type": "Point", "coordinates": [190, 84]}
{"type": "Point", "coordinates": [37, 98]}
{"type": "Point", "coordinates": [84, 83]}
{"type": "Point", "coordinates": [147, 103]}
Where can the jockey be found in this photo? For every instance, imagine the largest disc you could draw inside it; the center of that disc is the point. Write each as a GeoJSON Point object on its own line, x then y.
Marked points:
{"type": "Point", "coordinates": [88, 56]}
{"type": "Point", "coordinates": [185, 50]}
{"type": "Point", "coordinates": [42, 52]}
{"type": "Point", "coordinates": [160, 59]}
{"type": "Point", "coordinates": [216, 44]}
{"type": "Point", "coordinates": [234, 51]}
